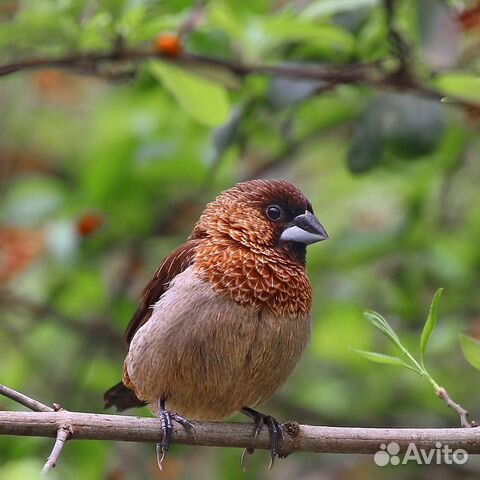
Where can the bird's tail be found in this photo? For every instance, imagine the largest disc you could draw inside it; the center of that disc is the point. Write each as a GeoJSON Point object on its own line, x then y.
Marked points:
{"type": "Point", "coordinates": [121, 397]}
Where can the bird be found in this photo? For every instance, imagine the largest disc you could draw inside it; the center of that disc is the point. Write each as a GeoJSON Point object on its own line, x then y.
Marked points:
{"type": "Point", "coordinates": [226, 316]}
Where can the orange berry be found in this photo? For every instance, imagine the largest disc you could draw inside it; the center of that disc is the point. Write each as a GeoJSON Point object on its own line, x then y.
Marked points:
{"type": "Point", "coordinates": [89, 223]}
{"type": "Point", "coordinates": [168, 44]}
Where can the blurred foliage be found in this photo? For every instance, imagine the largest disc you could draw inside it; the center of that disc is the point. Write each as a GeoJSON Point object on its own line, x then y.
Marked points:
{"type": "Point", "coordinates": [100, 180]}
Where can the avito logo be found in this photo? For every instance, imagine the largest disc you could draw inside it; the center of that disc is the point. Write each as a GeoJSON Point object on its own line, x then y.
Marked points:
{"type": "Point", "coordinates": [441, 454]}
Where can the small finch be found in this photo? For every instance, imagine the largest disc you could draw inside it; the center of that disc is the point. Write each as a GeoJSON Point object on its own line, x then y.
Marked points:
{"type": "Point", "coordinates": [226, 316]}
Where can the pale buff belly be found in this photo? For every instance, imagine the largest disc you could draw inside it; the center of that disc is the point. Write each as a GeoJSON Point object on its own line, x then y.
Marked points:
{"type": "Point", "coordinates": [208, 356]}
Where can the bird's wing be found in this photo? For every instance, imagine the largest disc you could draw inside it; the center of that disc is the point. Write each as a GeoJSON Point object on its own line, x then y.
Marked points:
{"type": "Point", "coordinates": [175, 263]}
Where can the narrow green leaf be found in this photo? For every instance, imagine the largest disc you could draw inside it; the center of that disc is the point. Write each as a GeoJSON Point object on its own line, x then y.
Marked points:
{"type": "Point", "coordinates": [381, 324]}
{"type": "Point", "coordinates": [430, 323]}
{"type": "Point", "coordinates": [380, 357]}
{"type": "Point", "coordinates": [471, 350]}
{"type": "Point", "coordinates": [204, 100]}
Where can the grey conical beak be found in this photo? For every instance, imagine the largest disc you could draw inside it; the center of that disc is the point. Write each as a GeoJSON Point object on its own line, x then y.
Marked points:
{"type": "Point", "coordinates": [306, 229]}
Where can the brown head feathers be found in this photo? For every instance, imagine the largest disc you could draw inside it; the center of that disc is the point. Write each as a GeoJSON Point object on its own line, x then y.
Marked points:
{"type": "Point", "coordinates": [241, 253]}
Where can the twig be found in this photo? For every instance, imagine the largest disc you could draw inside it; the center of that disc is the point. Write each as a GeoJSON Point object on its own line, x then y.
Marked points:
{"type": "Point", "coordinates": [24, 400]}
{"type": "Point", "coordinates": [63, 434]}
{"type": "Point", "coordinates": [463, 414]}
{"type": "Point", "coordinates": [307, 438]}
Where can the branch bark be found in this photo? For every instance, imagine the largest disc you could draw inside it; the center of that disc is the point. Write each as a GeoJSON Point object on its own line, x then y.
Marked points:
{"type": "Point", "coordinates": [462, 413]}
{"type": "Point", "coordinates": [64, 433]}
{"type": "Point", "coordinates": [306, 438]}
{"type": "Point", "coordinates": [24, 400]}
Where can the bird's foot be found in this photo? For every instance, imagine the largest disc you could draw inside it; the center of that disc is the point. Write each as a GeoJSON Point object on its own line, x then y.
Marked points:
{"type": "Point", "coordinates": [166, 420]}
{"type": "Point", "coordinates": [274, 428]}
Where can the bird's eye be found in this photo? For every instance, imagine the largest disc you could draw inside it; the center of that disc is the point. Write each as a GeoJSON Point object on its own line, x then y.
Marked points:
{"type": "Point", "coordinates": [274, 212]}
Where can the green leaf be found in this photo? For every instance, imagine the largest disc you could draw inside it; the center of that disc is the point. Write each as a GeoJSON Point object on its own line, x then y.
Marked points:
{"type": "Point", "coordinates": [203, 99]}
{"type": "Point", "coordinates": [471, 350]}
{"type": "Point", "coordinates": [329, 37]}
{"type": "Point", "coordinates": [380, 357]}
{"type": "Point", "coordinates": [333, 7]}
{"type": "Point", "coordinates": [430, 323]}
{"type": "Point", "coordinates": [221, 16]}
{"type": "Point", "coordinates": [463, 85]}
{"type": "Point", "coordinates": [381, 324]}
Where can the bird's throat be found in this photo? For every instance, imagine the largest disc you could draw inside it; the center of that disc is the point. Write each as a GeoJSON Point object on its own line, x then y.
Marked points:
{"type": "Point", "coordinates": [272, 279]}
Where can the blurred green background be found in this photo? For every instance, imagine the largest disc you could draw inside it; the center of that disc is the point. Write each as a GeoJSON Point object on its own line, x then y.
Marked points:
{"type": "Point", "coordinates": [104, 171]}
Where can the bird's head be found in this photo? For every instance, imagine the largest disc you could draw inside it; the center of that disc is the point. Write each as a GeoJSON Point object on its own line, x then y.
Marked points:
{"type": "Point", "coordinates": [263, 215]}
{"type": "Point", "coordinates": [253, 240]}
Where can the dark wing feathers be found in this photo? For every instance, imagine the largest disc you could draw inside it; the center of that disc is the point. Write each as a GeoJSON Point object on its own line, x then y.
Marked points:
{"type": "Point", "coordinates": [121, 397]}
{"type": "Point", "coordinates": [175, 263]}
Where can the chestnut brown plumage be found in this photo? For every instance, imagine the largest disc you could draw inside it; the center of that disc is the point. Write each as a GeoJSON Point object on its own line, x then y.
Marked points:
{"type": "Point", "coordinates": [226, 317]}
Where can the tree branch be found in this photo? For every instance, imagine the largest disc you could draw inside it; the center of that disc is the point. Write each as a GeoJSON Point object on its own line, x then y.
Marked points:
{"type": "Point", "coordinates": [22, 399]}
{"type": "Point", "coordinates": [64, 425]}
{"type": "Point", "coordinates": [372, 74]}
{"type": "Point", "coordinates": [306, 438]}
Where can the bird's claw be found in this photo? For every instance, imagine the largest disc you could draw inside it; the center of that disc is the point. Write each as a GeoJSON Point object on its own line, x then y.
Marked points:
{"type": "Point", "coordinates": [166, 421]}
{"type": "Point", "coordinates": [160, 455]}
{"type": "Point", "coordinates": [276, 435]}
{"type": "Point", "coordinates": [274, 429]}
{"type": "Point", "coordinates": [243, 463]}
